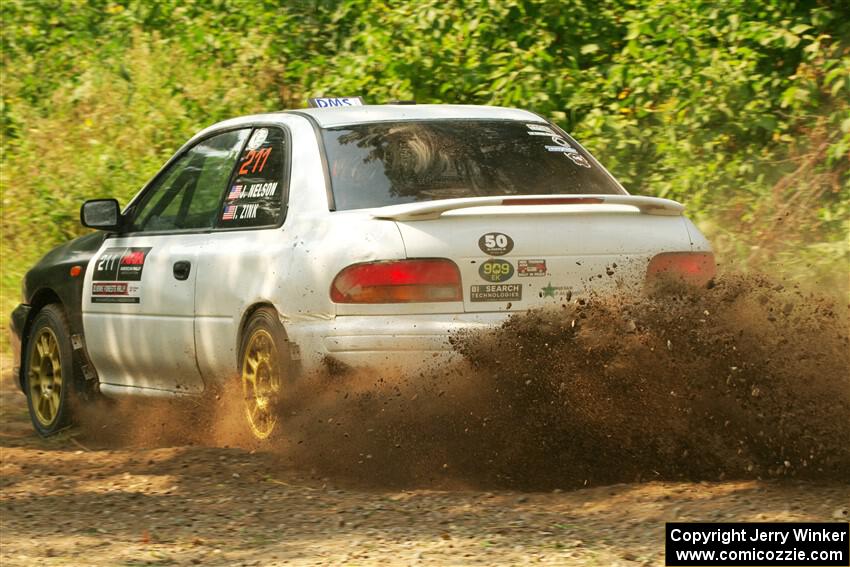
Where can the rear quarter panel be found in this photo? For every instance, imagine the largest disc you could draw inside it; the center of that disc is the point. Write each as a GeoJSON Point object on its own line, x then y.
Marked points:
{"type": "Point", "coordinates": [290, 268]}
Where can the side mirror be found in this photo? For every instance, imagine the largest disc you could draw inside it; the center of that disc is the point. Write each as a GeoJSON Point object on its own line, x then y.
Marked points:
{"type": "Point", "coordinates": [102, 214]}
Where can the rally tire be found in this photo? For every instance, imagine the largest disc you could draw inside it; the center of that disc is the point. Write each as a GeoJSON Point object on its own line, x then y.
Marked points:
{"type": "Point", "coordinates": [50, 372]}
{"type": "Point", "coordinates": [264, 371]}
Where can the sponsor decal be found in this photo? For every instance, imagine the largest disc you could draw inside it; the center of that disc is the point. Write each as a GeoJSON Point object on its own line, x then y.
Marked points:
{"type": "Point", "coordinates": [496, 271]}
{"type": "Point", "coordinates": [560, 144]}
{"type": "Point", "coordinates": [116, 299]}
{"type": "Point", "coordinates": [540, 128]}
{"type": "Point", "coordinates": [258, 138]}
{"type": "Point", "coordinates": [496, 292]}
{"type": "Point", "coordinates": [120, 264]}
{"type": "Point", "coordinates": [556, 292]}
{"type": "Point", "coordinates": [579, 159]}
{"type": "Point", "coordinates": [109, 288]}
{"type": "Point", "coordinates": [496, 244]}
{"type": "Point", "coordinates": [116, 273]}
{"type": "Point", "coordinates": [564, 149]}
{"type": "Point", "coordinates": [527, 268]}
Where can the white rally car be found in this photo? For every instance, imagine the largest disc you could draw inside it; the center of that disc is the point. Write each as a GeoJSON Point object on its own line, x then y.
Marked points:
{"type": "Point", "coordinates": [272, 244]}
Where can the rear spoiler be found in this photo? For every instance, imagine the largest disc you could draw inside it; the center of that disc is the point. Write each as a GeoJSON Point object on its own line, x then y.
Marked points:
{"type": "Point", "coordinates": [430, 210]}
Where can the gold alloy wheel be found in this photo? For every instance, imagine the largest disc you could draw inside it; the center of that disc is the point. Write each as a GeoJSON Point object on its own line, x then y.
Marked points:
{"type": "Point", "coordinates": [45, 377]}
{"type": "Point", "coordinates": [260, 383]}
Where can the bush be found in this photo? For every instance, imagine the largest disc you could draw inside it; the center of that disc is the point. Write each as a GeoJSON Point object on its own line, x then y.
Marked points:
{"type": "Point", "coordinates": [739, 108]}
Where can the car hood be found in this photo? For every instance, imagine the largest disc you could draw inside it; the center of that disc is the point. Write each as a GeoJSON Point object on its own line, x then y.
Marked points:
{"type": "Point", "coordinates": [78, 250]}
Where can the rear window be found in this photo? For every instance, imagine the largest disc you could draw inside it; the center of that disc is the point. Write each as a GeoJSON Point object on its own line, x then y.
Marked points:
{"type": "Point", "coordinates": [386, 163]}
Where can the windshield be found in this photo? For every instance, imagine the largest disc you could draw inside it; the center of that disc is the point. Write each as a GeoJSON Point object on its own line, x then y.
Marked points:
{"type": "Point", "coordinates": [386, 163]}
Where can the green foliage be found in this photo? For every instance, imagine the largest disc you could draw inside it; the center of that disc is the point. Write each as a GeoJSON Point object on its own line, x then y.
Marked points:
{"type": "Point", "coordinates": [738, 108]}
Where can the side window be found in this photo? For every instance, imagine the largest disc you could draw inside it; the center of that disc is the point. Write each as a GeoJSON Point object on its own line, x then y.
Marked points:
{"type": "Point", "coordinates": [255, 196]}
{"type": "Point", "coordinates": [188, 194]}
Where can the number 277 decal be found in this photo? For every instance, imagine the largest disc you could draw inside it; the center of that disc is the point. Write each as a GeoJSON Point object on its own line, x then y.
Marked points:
{"type": "Point", "coordinates": [255, 161]}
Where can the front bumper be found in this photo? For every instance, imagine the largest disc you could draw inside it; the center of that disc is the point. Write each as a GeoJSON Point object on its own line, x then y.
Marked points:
{"type": "Point", "coordinates": [398, 342]}
{"type": "Point", "coordinates": [17, 328]}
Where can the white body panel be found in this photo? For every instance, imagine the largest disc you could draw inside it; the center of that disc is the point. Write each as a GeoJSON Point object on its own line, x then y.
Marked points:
{"type": "Point", "coordinates": [289, 268]}
{"type": "Point", "coordinates": [150, 343]}
{"type": "Point", "coordinates": [183, 336]}
{"type": "Point", "coordinates": [584, 248]}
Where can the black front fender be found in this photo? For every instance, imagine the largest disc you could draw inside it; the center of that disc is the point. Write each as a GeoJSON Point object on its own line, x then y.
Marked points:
{"type": "Point", "coordinates": [52, 281]}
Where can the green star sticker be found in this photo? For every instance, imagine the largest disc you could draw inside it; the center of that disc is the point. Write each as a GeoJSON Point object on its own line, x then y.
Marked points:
{"type": "Point", "coordinates": [549, 291]}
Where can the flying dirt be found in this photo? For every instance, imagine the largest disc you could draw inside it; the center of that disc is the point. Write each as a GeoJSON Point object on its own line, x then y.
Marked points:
{"type": "Point", "coordinates": [726, 404]}
{"type": "Point", "coordinates": [748, 379]}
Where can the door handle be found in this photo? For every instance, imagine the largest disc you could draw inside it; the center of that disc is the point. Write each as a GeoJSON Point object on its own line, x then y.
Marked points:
{"type": "Point", "coordinates": [182, 269]}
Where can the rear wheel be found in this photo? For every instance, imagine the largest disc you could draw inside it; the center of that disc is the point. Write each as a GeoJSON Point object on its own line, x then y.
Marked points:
{"type": "Point", "coordinates": [264, 367]}
{"type": "Point", "coordinates": [49, 371]}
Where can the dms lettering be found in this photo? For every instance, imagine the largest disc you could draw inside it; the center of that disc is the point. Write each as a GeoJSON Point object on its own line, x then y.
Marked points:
{"type": "Point", "coordinates": [327, 102]}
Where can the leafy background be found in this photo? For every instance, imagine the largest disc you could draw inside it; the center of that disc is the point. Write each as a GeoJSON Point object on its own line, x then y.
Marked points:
{"type": "Point", "coordinates": [739, 108]}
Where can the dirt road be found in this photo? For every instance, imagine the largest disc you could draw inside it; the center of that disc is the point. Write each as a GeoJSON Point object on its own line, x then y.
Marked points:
{"type": "Point", "coordinates": [744, 381]}
{"type": "Point", "coordinates": [71, 501]}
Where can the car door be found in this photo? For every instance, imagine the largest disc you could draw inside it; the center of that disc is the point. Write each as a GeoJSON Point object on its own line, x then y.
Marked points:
{"type": "Point", "coordinates": [247, 264]}
{"type": "Point", "coordinates": [139, 293]}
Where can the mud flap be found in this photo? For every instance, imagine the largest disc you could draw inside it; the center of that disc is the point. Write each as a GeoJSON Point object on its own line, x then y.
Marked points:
{"type": "Point", "coordinates": [89, 373]}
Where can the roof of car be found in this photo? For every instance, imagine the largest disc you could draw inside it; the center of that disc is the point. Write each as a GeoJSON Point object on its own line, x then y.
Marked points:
{"type": "Point", "coordinates": [347, 115]}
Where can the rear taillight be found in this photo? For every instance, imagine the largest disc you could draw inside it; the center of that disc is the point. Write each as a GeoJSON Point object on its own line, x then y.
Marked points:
{"type": "Point", "coordinates": [398, 281]}
{"type": "Point", "coordinates": [694, 268]}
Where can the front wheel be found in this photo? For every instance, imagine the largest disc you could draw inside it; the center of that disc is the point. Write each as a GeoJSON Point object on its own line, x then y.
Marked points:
{"type": "Point", "coordinates": [264, 367]}
{"type": "Point", "coordinates": [49, 371]}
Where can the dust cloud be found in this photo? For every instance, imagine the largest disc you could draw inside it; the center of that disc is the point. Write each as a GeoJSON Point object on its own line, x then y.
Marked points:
{"type": "Point", "coordinates": [745, 379]}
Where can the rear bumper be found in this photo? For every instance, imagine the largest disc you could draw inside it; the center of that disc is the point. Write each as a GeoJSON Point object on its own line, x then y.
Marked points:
{"type": "Point", "coordinates": [17, 327]}
{"type": "Point", "coordinates": [400, 342]}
